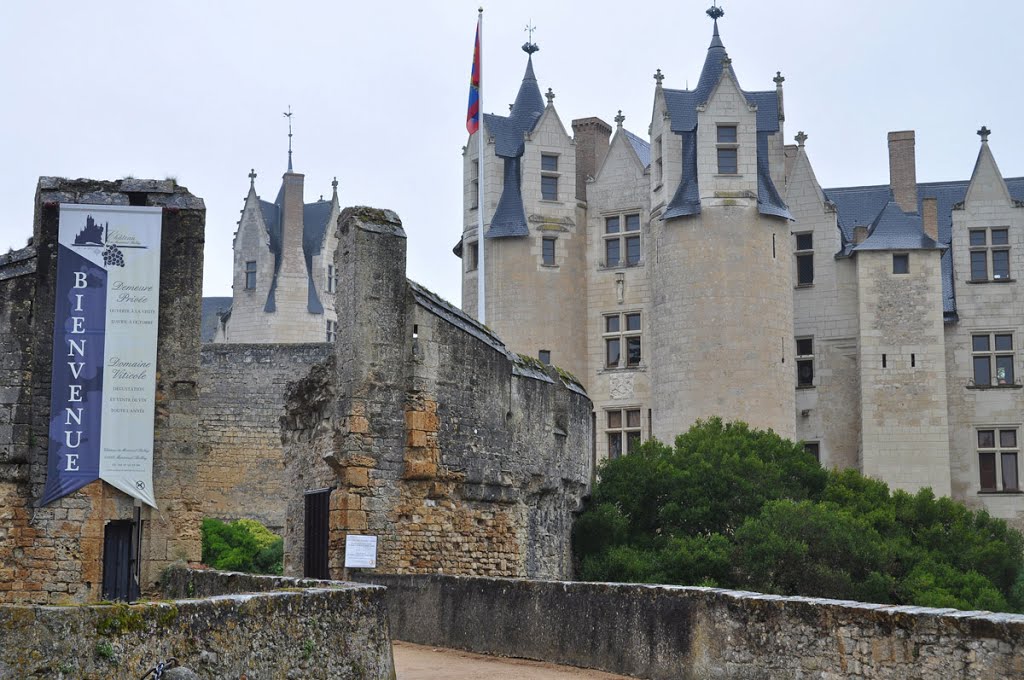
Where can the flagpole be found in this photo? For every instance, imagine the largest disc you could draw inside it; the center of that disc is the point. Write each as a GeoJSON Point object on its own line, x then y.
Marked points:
{"type": "Point", "coordinates": [481, 275]}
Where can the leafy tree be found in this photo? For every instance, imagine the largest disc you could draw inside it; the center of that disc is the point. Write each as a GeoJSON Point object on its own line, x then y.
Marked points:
{"type": "Point", "coordinates": [738, 507]}
{"type": "Point", "coordinates": [243, 545]}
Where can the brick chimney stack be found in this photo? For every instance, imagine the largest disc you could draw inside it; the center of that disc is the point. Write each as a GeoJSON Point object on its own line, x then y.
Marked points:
{"type": "Point", "coordinates": [592, 140]}
{"type": "Point", "coordinates": [903, 170]}
{"type": "Point", "coordinates": [930, 217]}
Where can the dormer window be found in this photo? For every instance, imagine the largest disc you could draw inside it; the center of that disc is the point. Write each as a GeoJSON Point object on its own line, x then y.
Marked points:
{"type": "Point", "coordinates": [250, 275]}
{"type": "Point", "coordinates": [728, 150]}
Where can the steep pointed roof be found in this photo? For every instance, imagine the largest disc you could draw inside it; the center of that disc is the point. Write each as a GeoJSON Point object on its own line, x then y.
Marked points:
{"type": "Point", "coordinates": [508, 131]}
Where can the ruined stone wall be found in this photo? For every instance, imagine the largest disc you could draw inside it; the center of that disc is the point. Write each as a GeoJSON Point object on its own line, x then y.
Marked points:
{"type": "Point", "coordinates": [54, 553]}
{"type": "Point", "coordinates": [241, 396]}
{"type": "Point", "coordinates": [20, 554]}
{"type": "Point", "coordinates": [457, 455]}
{"type": "Point", "coordinates": [328, 631]}
{"type": "Point", "coordinates": [682, 633]}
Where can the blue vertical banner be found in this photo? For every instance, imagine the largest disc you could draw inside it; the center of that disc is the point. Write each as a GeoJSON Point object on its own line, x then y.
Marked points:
{"type": "Point", "coordinates": [103, 389]}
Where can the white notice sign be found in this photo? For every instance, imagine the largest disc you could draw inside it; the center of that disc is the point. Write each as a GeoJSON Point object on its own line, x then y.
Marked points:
{"type": "Point", "coordinates": [360, 552]}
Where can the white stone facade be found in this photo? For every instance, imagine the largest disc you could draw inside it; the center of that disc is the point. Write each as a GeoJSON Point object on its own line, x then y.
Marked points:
{"type": "Point", "coordinates": [283, 283]}
{"type": "Point", "coordinates": [890, 357]}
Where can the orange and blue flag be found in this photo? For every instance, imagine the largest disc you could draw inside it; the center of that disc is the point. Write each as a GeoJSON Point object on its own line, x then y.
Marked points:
{"type": "Point", "coordinates": [473, 112]}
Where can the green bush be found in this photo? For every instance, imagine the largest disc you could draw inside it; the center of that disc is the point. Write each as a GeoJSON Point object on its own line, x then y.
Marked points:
{"type": "Point", "coordinates": [736, 507]}
{"type": "Point", "coordinates": [243, 545]}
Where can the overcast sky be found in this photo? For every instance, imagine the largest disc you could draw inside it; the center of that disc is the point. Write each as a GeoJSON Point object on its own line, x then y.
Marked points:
{"type": "Point", "coordinates": [196, 91]}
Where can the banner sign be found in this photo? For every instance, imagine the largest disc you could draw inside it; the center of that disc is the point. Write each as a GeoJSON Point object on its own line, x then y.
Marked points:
{"type": "Point", "coordinates": [103, 389]}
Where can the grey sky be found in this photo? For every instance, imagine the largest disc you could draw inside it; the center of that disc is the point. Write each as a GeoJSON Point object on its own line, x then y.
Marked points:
{"type": "Point", "coordinates": [196, 90]}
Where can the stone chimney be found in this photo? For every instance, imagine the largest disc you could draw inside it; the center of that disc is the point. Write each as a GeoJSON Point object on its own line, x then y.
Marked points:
{"type": "Point", "coordinates": [930, 217]}
{"type": "Point", "coordinates": [903, 170]}
{"type": "Point", "coordinates": [293, 261]}
{"type": "Point", "coordinates": [859, 234]}
{"type": "Point", "coordinates": [592, 137]}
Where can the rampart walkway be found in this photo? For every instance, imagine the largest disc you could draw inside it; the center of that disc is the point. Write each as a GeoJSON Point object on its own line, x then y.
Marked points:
{"type": "Point", "coordinates": [417, 662]}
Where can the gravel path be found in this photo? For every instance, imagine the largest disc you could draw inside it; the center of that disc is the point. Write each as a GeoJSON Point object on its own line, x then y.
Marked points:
{"type": "Point", "coordinates": [416, 662]}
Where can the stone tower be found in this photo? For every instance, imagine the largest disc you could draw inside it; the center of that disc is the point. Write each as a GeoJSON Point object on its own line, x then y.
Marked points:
{"type": "Point", "coordinates": [721, 322]}
{"type": "Point", "coordinates": [284, 278]}
{"type": "Point", "coordinates": [535, 244]}
{"type": "Point", "coordinates": [905, 429]}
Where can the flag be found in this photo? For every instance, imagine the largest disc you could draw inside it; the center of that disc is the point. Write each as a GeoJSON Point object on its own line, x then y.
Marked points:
{"type": "Point", "coordinates": [473, 112]}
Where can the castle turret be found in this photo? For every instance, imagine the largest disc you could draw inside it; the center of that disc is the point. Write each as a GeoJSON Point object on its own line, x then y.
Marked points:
{"type": "Point", "coordinates": [721, 322]}
{"type": "Point", "coordinates": [534, 242]}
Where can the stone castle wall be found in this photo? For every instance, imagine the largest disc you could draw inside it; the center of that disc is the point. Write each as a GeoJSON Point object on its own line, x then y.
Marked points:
{"type": "Point", "coordinates": [53, 554]}
{"type": "Point", "coordinates": [274, 628]}
{"type": "Point", "coordinates": [682, 633]}
{"type": "Point", "coordinates": [241, 397]}
{"type": "Point", "coordinates": [457, 455]}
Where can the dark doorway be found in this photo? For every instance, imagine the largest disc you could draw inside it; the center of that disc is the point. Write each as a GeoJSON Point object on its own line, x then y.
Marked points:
{"type": "Point", "coordinates": [318, 514]}
{"type": "Point", "coordinates": [120, 556]}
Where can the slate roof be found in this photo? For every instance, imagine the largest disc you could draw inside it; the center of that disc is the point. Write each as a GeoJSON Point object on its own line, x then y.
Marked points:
{"type": "Point", "coordinates": [642, 148]}
{"type": "Point", "coordinates": [860, 206]}
{"type": "Point", "coordinates": [208, 320]}
{"type": "Point", "coordinates": [682, 109]}
{"type": "Point", "coordinates": [509, 134]}
{"type": "Point", "coordinates": [894, 229]}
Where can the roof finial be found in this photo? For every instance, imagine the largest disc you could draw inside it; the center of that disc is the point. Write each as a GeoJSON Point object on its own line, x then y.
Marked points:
{"type": "Point", "coordinates": [778, 79]}
{"type": "Point", "coordinates": [550, 96]}
{"type": "Point", "coordinates": [715, 12]}
{"type": "Point", "coordinates": [288, 115]}
{"type": "Point", "coordinates": [529, 46]}
{"type": "Point", "coordinates": [252, 178]}
{"type": "Point", "coordinates": [984, 132]}
{"type": "Point", "coordinates": [620, 119]}
{"type": "Point", "coordinates": [658, 77]}
{"type": "Point", "coordinates": [800, 138]}
{"type": "Point", "coordinates": [334, 185]}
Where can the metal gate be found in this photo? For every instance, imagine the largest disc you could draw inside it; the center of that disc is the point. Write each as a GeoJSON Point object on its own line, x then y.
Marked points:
{"type": "Point", "coordinates": [317, 532]}
{"type": "Point", "coordinates": [120, 560]}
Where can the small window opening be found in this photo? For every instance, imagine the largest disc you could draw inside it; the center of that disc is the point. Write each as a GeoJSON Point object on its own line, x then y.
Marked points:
{"type": "Point", "coordinates": [773, 246]}
{"type": "Point", "coordinates": [883, 361]}
{"type": "Point", "coordinates": [545, 356]}
{"type": "Point", "coordinates": [415, 331]}
{"type": "Point", "coordinates": [913, 361]}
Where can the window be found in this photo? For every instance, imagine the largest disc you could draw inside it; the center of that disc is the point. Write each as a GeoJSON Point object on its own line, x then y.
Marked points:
{"type": "Point", "coordinates": [622, 240]}
{"type": "Point", "coordinates": [548, 251]}
{"type": "Point", "coordinates": [728, 156]}
{"type": "Point", "coordinates": [997, 459]}
{"type": "Point", "coordinates": [804, 259]}
{"type": "Point", "coordinates": [549, 182]}
{"type": "Point", "coordinates": [250, 275]}
{"type": "Point", "coordinates": [332, 331]}
{"type": "Point", "coordinates": [813, 448]}
{"type": "Point", "coordinates": [622, 332]}
{"type": "Point", "coordinates": [990, 251]}
{"type": "Point", "coordinates": [659, 163]}
{"type": "Point", "coordinates": [901, 263]}
{"type": "Point", "coordinates": [332, 279]}
{"type": "Point", "coordinates": [992, 351]}
{"type": "Point", "coordinates": [805, 362]}
{"type": "Point", "coordinates": [623, 431]}
{"type": "Point", "coordinates": [472, 257]}
{"type": "Point", "coordinates": [545, 356]}
{"type": "Point", "coordinates": [474, 187]}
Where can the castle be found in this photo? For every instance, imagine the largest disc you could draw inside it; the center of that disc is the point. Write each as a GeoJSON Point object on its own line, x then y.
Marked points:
{"type": "Point", "coordinates": [702, 270]}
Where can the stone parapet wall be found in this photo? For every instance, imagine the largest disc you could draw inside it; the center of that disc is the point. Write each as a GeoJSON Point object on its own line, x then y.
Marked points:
{"type": "Point", "coordinates": [678, 633]}
{"type": "Point", "coordinates": [242, 401]}
{"type": "Point", "coordinates": [336, 631]}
